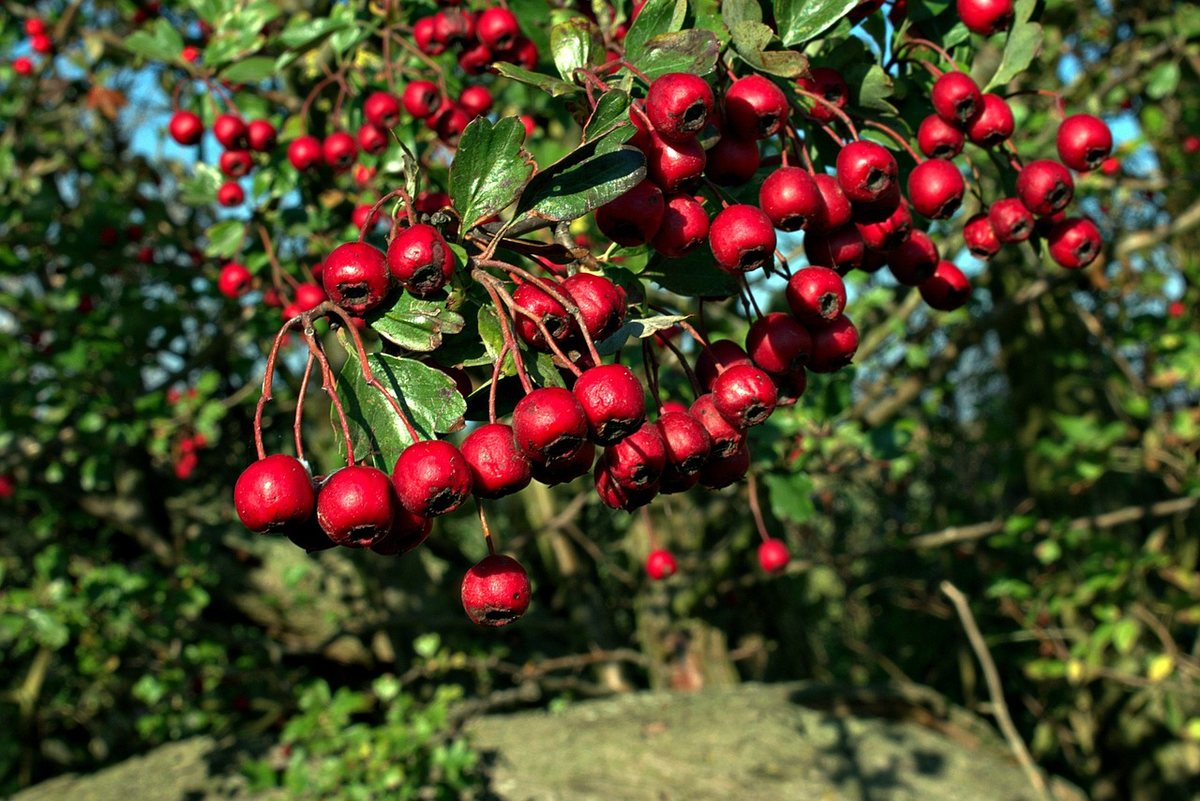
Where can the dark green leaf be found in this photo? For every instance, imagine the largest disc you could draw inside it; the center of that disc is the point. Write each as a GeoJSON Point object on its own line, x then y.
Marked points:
{"type": "Point", "coordinates": [250, 70]}
{"type": "Point", "coordinates": [612, 110]}
{"type": "Point", "coordinates": [735, 11]}
{"type": "Point", "coordinates": [490, 169]}
{"type": "Point", "coordinates": [656, 18]}
{"type": "Point", "coordinates": [576, 44]}
{"type": "Point", "coordinates": [1023, 45]}
{"type": "Point", "coordinates": [415, 324]}
{"type": "Point", "coordinates": [799, 21]}
{"type": "Point", "coordinates": [872, 89]}
{"type": "Point", "coordinates": [300, 33]}
{"type": "Point", "coordinates": [709, 17]}
{"type": "Point", "coordinates": [694, 50]}
{"type": "Point", "coordinates": [750, 40]}
{"type": "Point", "coordinates": [642, 328]}
{"type": "Point", "coordinates": [586, 179]}
{"type": "Point", "coordinates": [694, 275]}
{"type": "Point", "coordinates": [547, 83]}
{"type": "Point", "coordinates": [790, 496]}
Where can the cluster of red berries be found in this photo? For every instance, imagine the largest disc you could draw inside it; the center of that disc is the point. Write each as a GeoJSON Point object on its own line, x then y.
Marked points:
{"type": "Point", "coordinates": [238, 138]}
{"type": "Point", "coordinates": [481, 39]}
{"type": "Point", "coordinates": [39, 42]}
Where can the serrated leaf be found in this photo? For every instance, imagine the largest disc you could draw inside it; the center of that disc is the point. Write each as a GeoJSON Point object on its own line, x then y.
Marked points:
{"type": "Point", "coordinates": [873, 90]}
{"type": "Point", "coordinates": [799, 21]}
{"type": "Point", "coordinates": [585, 179]}
{"type": "Point", "coordinates": [224, 238]}
{"type": "Point", "coordinates": [750, 40]}
{"type": "Point", "coordinates": [1023, 45]}
{"type": "Point", "coordinates": [612, 110]}
{"type": "Point", "coordinates": [547, 83]}
{"type": "Point", "coordinates": [490, 169]}
{"type": "Point", "coordinates": [656, 18]}
{"type": "Point", "coordinates": [427, 395]}
{"type": "Point", "coordinates": [250, 70]}
{"type": "Point", "coordinates": [694, 275]}
{"type": "Point", "coordinates": [576, 44]}
{"type": "Point", "coordinates": [694, 50]}
{"type": "Point", "coordinates": [200, 188]}
{"type": "Point", "coordinates": [645, 327]}
{"type": "Point", "coordinates": [160, 43]}
{"type": "Point", "coordinates": [415, 324]}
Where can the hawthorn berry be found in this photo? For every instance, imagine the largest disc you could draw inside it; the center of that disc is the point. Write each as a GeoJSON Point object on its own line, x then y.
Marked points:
{"type": "Point", "coordinates": [687, 445]}
{"type": "Point", "coordinates": [540, 305]}
{"type": "Point", "coordinates": [372, 139]}
{"type": "Point", "coordinates": [947, 289]}
{"type": "Point", "coordinates": [549, 425]}
{"type": "Point", "coordinates": [496, 591]}
{"type": "Point", "coordinates": [985, 17]}
{"type": "Point", "coordinates": [420, 260]}
{"type": "Point", "coordinates": [382, 109]}
{"type": "Point", "coordinates": [956, 97]}
{"type": "Point", "coordinates": [614, 496]}
{"type": "Point", "coordinates": [636, 461]}
{"type": "Point", "coordinates": [1074, 242]}
{"type": "Point", "coordinates": [498, 467]}
{"type": "Point", "coordinates": [816, 296]}
{"type": "Point", "coordinates": [356, 506]}
{"type": "Point", "coordinates": [718, 357]}
{"type": "Point", "coordinates": [936, 189]}
{"type": "Point", "coordinates": [980, 237]}
{"type": "Point", "coordinates": [791, 199]}
{"type": "Point", "coordinates": [309, 296]}
{"type": "Point", "coordinates": [22, 66]}
{"type": "Point", "coordinates": [993, 124]}
{"type": "Point", "coordinates": [186, 128]}
{"type": "Point", "coordinates": [724, 471]}
{"type": "Point", "coordinates": [674, 165]}
{"type": "Point", "coordinates": [339, 151]}
{"type": "Point", "coordinates": [475, 100]}
{"type": "Point", "coordinates": [889, 233]}
{"type": "Point", "coordinates": [230, 131]}
{"type": "Point", "coordinates": [834, 346]}
{"type": "Point", "coordinates": [421, 99]}
{"type": "Point", "coordinates": [778, 344]}
{"type": "Point", "coordinates": [1083, 142]}
{"type": "Point", "coordinates": [431, 478]}
{"type": "Point", "coordinates": [866, 171]}
{"type": "Point", "coordinates": [498, 28]}
{"type": "Point", "coordinates": [835, 210]}
{"type": "Point", "coordinates": [261, 136]}
{"type": "Point", "coordinates": [678, 105]}
{"type": "Point", "coordinates": [755, 108]}
{"type": "Point", "coordinates": [1010, 220]}
{"type": "Point", "coordinates": [304, 152]}
{"type": "Point", "coordinates": [660, 564]}
{"type": "Point", "coordinates": [684, 226]}
{"type": "Point", "coordinates": [773, 556]}
{"type": "Point", "coordinates": [732, 161]}
{"type": "Point", "coordinates": [613, 400]}
{"type": "Point", "coordinates": [1045, 187]}
{"type": "Point", "coordinates": [273, 494]}
{"type": "Point", "coordinates": [842, 248]}
{"type": "Point", "coordinates": [633, 218]}
{"type": "Point", "coordinates": [726, 436]}
{"type": "Point", "coordinates": [565, 470]}
{"type": "Point", "coordinates": [475, 59]}
{"type": "Point", "coordinates": [938, 139]}
{"type": "Point", "coordinates": [407, 532]}
{"type": "Point", "coordinates": [231, 194]}
{"type": "Point", "coordinates": [601, 303]}
{"type": "Point", "coordinates": [829, 84]}
{"type": "Point", "coordinates": [355, 276]}
{"type": "Point", "coordinates": [915, 260]}
{"type": "Point", "coordinates": [742, 239]}
{"type": "Point", "coordinates": [236, 163]}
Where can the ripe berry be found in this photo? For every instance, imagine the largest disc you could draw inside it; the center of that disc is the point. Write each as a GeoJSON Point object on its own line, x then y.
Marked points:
{"type": "Point", "coordinates": [407, 532]}
{"type": "Point", "coordinates": [833, 346]}
{"type": "Point", "coordinates": [687, 444]}
{"type": "Point", "coordinates": [938, 139]}
{"type": "Point", "coordinates": [660, 564]}
{"type": "Point", "coordinates": [421, 98]}
{"type": "Point", "coordinates": [356, 277]}
{"type": "Point", "coordinates": [496, 591]}
{"type": "Point", "coordinates": [742, 239]}
{"type": "Point", "coordinates": [356, 506]}
{"type": "Point", "coordinates": [993, 125]}
{"type": "Point", "coordinates": [35, 27]}
{"type": "Point", "coordinates": [1010, 220]}
{"type": "Point", "coordinates": [420, 259]}
{"type": "Point", "coordinates": [261, 136]}
{"type": "Point", "coordinates": [1074, 242]}
{"type": "Point", "coordinates": [423, 36]}
{"type": "Point", "coordinates": [936, 189]}
{"type": "Point", "coordinates": [636, 462]}
{"type": "Point", "coordinates": [724, 471]}
{"type": "Point", "coordinates": [372, 139]}
{"type": "Point", "coordinates": [524, 54]}
{"type": "Point", "coordinates": [613, 400]}
{"type": "Point", "coordinates": [601, 303]}
{"type": "Point", "coordinates": [186, 127]}
{"type": "Point", "coordinates": [726, 436]}
{"type": "Point", "coordinates": [382, 109]}
{"type": "Point", "coordinates": [475, 100]}
{"type": "Point", "coordinates": [842, 248]}
{"type": "Point", "coordinates": [498, 467]}
{"type": "Point", "coordinates": [778, 344]}
{"type": "Point", "coordinates": [475, 60]}
{"type": "Point", "coordinates": [41, 43]}
{"type": "Point", "coordinates": [235, 163]}
{"type": "Point", "coordinates": [956, 97]}
{"type": "Point", "coordinates": [684, 226]}
{"type": "Point", "coordinates": [889, 233]}
{"type": "Point", "coordinates": [716, 359]}
{"type": "Point", "coordinates": [790, 198]}
{"type": "Point", "coordinates": [565, 470]}
{"type": "Point", "coordinates": [744, 395]}
{"type": "Point", "coordinates": [614, 496]}
{"type": "Point", "coordinates": [1045, 187]}
{"type": "Point", "coordinates": [231, 194]}
{"type": "Point", "coordinates": [829, 84]}
{"type": "Point", "coordinates": [22, 66]}
{"type": "Point", "coordinates": [816, 296]}
{"type": "Point", "coordinates": [835, 211]}
{"type": "Point", "coordinates": [431, 478]}
{"type": "Point", "coordinates": [679, 105]}
{"type": "Point", "coordinates": [549, 425]}
{"type": "Point", "coordinates": [732, 161]}
{"type": "Point", "coordinates": [540, 305]}
{"type": "Point", "coordinates": [865, 171]}
{"type": "Point", "coordinates": [947, 288]}
{"type": "Point", "coordinates": [755, 108]}
{"type": "Point", "coordinates": [1084, 142]}
{"type": "Point", "coordinates": [230, 131]}
{"type": "Point", "coordinates": [773, 556]}
{"type": "Point", "coordinates": [309, 296]}
{"type": "Point", "coordinates": [339, 150]}
{"type": "Point", "coordinates": [790, 387]}
{"type": "Point", "coordinates": [915, 260]}
{"type": "Point", "coordinates": [304, 152]}
{"type": "Point", "coordinates": [498, 28]}
{"type": "Point", "coordinates": [980, 237]}
{"type": "Point", "coordinates": [985, 17]}
{"type": "Point", "coordinates": [273, 494]}
{"type": "Point", "coordinates": [453, 26]}
{"type": "Point", "coordinates": [633, 218]}
{"type": "Point", "coordinates": [674, 165]}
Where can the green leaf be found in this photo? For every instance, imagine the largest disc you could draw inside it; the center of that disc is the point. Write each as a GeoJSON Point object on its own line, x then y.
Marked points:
{"type": "Point", "coordinates": [800, 21]}
{"type": "Point", "coordinates": [694, 275]}
{"type": "Point", "coordinates": [750, 40]}
{"type": "Point", "coordinates": [200, 188]}
{"type": "Point", "coordinates": [873, 90]}
{"type": "Point", "coordinates": [547, 83]}
{"type": "Point", "coordinates": [161, 43]}
{"type": "Point", "coordinates": [301, 32]}
{"type": "Point", "coordinates": [1023, 45]}
{"type": "Point", "coordinates": [427, 395]}
{"type": "Point", "coordinates": [790, 497]}
{"type": "Point", "coordinates": [576, 43]}
{"type": "Point", "coordinates": [415, 324]}
{"type": "Point", "coordinates": [224, 238]}
{"type": "Point", "coordinates": [656, 18]}
{"type": "Point", "coordinates": [612, 111]}
{"type": "Point", "coordinates": [694, 50]}
{"type": "Point", "coordinates": [250, 70]}
{"type": "Point", "coordinates": [585, 179]}
{"type": "Point", "coordinates": [641, 329]}
{"type": "Point", "coordinates": [1163, 80]}
{"type": "Point", "coordinates": [490, 169]}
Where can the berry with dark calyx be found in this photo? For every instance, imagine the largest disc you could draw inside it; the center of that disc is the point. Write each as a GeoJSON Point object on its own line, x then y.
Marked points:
{"type": "Point", "coordinates": [778, 344]}
{"type": "Point", "coordinates": [565, 470]}
{"type": "Point", "coordinates": [304, 152]}
{"type": "Point", "coordinates": [732, 161]}
{"type": "Point", "coordinates": [791, 199]}
{"type": "Point", "coordinates": [1045, 187]}
{"type": "Point", "coordinates": [816, 296]}
{"type": "Point", "coordinates": [496, 591]}
{"type": "Point", "coordinates": [421, 99]}
{"type": "Point", "coordinates": [865, 171]}
{"type": "Point", "coordinates": [915, 260]}
{"type": "Point", "coordinates": [273, 494]}
{"type": "Point", "coordinates": [497, 28]}
{"type": "Point", "coordinates": [980, 237]}
{"type": "Point", "coordinates": [382, 109]}
{"type": "Point", "coordinates": [230, 131]}
{"type": "Point", "coordinates": [755, 108]}
{"type": "Point", "coordinates": [687, 444]}
{"type": "Point", "coordinates": [742, 239]}
{"type": "Point", "coordinates": [716, 359]}
{"type": "Point", "coordinates": [309, 296]}
{"type": "Point", "coordinates": [841, 249]}
{"type": "Point", "coordinates": [938, 139]}
{"type": "Point", "coordinates": [453, 26]}
{"type": "Point", "coordinates": [1083, 142]}
{"type": "Point", "coordinates": [613, 400]}
{"type": "Point", "coordinates": [432, 478]}
{"type": "Point", "coordinates": [726, 436]}
{"type": "Point", "coordinates": [549, 425]}
{"type": "Point", "coordinates": [601, 303]}
{"type": "Point", "coordinates": [423, 35]}
{"type": "Point", "coordinates": [542, 306]}
{"type": "Point", "coordinates": [836, 210]}
{"type": "Point", "coordinates": [790, 387]}
{"type": "Point", "coordinates": [660, 564]}
{"type": "Point", "coordinates": [357, 506]}
{"type": "Point", "coordinates": [744, 395]}
{"type": "Point", "coordinates": [985, 17]}
{"type": "Point", "coordinates": [833, 346]}
{"type": "Point", "coordinates": [614, 496]}
{"type": "Point", "coordinates": [994, 123]}
{"type": "Point", "coordinates": [372, 139]}
{"type": "Point", "coordinates": [524, 54]}
{"type": "Point", "coordinates": [724, 471]}
{"type": "Point", "coordinates": [684, 226]}
{"type": "Point", "coordinates": [636, 462]}
{"type": "Point", "coordinates": [674, 166]}
{"type": "Point", "coordinates": [186, 128]}
{"type": "Point", "coordinates": [889, 233]}
{"type": "Point", "coordinates": [231, 194]}
{"type": "Point", "coordinates": [829, 84]}
{"type": "Point", "coordinates": [234, 280]}
{"type": "Point", "coordinates": [633, 218]}
{"type": "Point", "coordinates": [936, 189]}
{"type": "Point", "coordinates": [498, 467]}
{"type": "Point", "coordinates": [339, 150]}
{"type": "Point", "coordinates": [475, 100]}
{"type": "Point", "coordinates": [309, 535]}
{"type": "Point", "coordinates": [773, 556]}
{"type": "Point", "coordinates": [407, 532]}
{"type": "Point", "coordinates": [947, 289]}
{"type": "Point", "coordinates": [1074, 242]}
{"type": "Point", "coordinates": [261, 136]}
{"type": "Point", "coordinates": [475, 60]}
{"type": "Point", "coordinates": [236, 163]}
{"type": "Point", "coordinates": [1010, 220]}
{"type": "Point", "coordinates": [878, 210]}
{"type": "Point", "coordinates": [356, 277]}
{"type": "Point", "coordinates": [679, 105]}
{"type": "Point", "coordinates": [420, 260]}
{"type": "Point", "coordinates": [956, 97]}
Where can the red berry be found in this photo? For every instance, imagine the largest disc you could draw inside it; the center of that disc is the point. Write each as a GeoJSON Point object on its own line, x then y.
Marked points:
{"type": "Point", "coordinates": [956, 97]}
{"type": "Point", "coordinates": [261, 136]}
{"type": "Point", "coordinates": [980, 237]}
{"type": "Point", "coordinates": [684, 227]}
{"type": "Point", "coordinates": [41, 43]}
{"type": "Point", "coordinates": [833, 346]}
{"type": "Point", "coordinates": [498, 467]}
{"type": "Point", "coordinates": [372, 139]}
{"type": "Point", "coordinates": [230, 131]}
{"type": "Point", "coordinates": [498, 28]}
{"type": "Point", "coordinates": [357, 506]}
{"type": "Point", "coordinates": [889, 233]}
{"type": "Point", "coordinates": [309, 296]}
{"type": "Point", "coordinates": [716, 359]}
{"type": "Point", "coordinates": [613, 400]}
{"type": "Point", "coordinates": [835, 211]}
{"type": "Point", "coordinates": [22, 66]}
{"type": "Point", "coordinates": [382, 109]}
{"type": "Point", "coordinates": [816, 296]}
{"type": "Point", "coordinates": [724, 471]}
{"type": "Point", "coordinates": [841, 248]}
{"type": "Point", "coordinates": [614, 496]}
{"type": "Point", "coordinates": [538, 304]}
{"type": "Point", "coordinates": [994, 123]}
{"type": "Point", "coordinates": [985, 17]}
{"type": "Point", "coordinates": [674, 166]}
{"type": "Point", "coordinates": [829, 84]}
{"type": "Point", "coordinates": [304, 153]}
{"type": "Point", "coordinates": [35, 27]}
{"type": "Point", "coordinates": [549, 425]}
{"type": "Point", "coordinates": [564, 470]}
{"type": "Point", "coordinates": [726, 436]}
{"type": "Point", "coordinates": [744, 395]}
{"type": "Point", "coordinates": [1083, 142]}
{"type": "Point", "coordinates": [339, 150]}
{"type": "Point", "coordinates": [356, 277]}
{"type": "Point", "coordinates": [1010, 220]}
{"type": "Point", "coordinates": [601, 303]}
{"type": "Point", "coordinates": [938, 139]}
{"type": "Point", "coordinates": [431, 478]}
{"type": "Point", "coordinates": [420, 259]}
{"type": "Point", "coordinates": [1074, 242]}
{"type": "Point", "coordinates": [424, 37]}
{"type": "Point", "coordinates": [190, 54]}
{"type": "Point", "coordinates": [234, 281]}
{"type": "Point", "coordinates": [865, 171]}
{"type": "Point", "coordinates": [186, 128]}
{"type": "Point", "coordinates": [791, 199]}
{"type": "Point", "coordinates": [1045, 187]}
{"type": "Point", "coordinates": [633, 218]}
{"type": "Point", "coordinates": [947, 289]}
{"type": "Point", "coordinates": [496, 591]}
{"type": "Point", "coordinates": [660, 564]}
{"type": "Point", "coordinates": [936, 189]}
{"type": "Point", "coordinates": [755, 108]}
{"type": "Point", "coordinates": [732, 161]}
{"type": "Point", "coordinates": [773, 556]}
{"type": "Point", "coordinates": [231, 194]}
{"type": "Point", "coordinates": [421, 98]}
{"type": "Point", "coordinates": [236, 163]}
{"type": "Point", "coordinates": [475, 100]}
{"type": "Point", "coordinates": [679, 105]}
{"type": "Point", "coordinates": [273, 494]}
{"type": "Point", "coordinates": [687, 445]}
{"type": "Point", "coordinates": [636, 462]}
{"type": "Point", "coordinates": [452, 25]}
{"type": "Point", "coordinates": [475, 59]}
{"type": "Point", "coordinates": [524, 54]}
{"type": "Point", "coordinates": [778, 344]}
{"type": "Point", "coordinates": [407, 532]}
{"type": "Point", "coordinates": [915, 260]}
{"type": "Point", "coordinates": [742, 239]}
{"type": "Point", "coordinates": [790, 387]}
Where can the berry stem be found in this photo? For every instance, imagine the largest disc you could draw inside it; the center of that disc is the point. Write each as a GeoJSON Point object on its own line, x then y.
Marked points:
{"type": "Point", "coordinates": [1058, 98]}
{"type": "Point", "coordinates": [433, 65]}
{"type": "Point", "coordinates": [716, 191]}
{"type": "Point", "coordinates": [649, 528]}
{"type": "Point", "coordinates": [496, 370]}
{"type": "Point", "coordinates": [515, 308]}
{"type": "Point", "coordinates": [650, 366]}
{"type": "Point", "coordinates": [408, 206]}
{"type": "Point", "coordinates": [897, 138]}
{"type": "Point", "coordinates": [278, 275]}
{"type": "Point", "coordinates": [750, 294]}
{"type": "Point", "coordinates": [296, 424]}
{"type": "Point", "coordinates": [327, 382]}
{"type": "Point", "coordinates": [755, 509]}
{"type": "Point", "coordinates": [843, 116]}
{"type": "Point", "coordinates": [687, 368]}
{"type": "Point", "coordinates": [917, 42]}
{"type": "Point", "coordinates": [268, 379]}
{"type": "Point", "coordinates": [487, 281]}
{"type": "Point", "coordinates": [487, 532]}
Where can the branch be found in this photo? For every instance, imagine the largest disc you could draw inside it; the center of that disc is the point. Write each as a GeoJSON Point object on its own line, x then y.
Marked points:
{"type": "Point", "coordinates": [1185, 221]}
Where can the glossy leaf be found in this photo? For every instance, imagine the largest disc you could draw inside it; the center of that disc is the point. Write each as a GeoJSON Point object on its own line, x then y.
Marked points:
{"type": "Point", "coordinates": [415, 324]}
{"type": "Point", "coordinates": [490, 169]}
